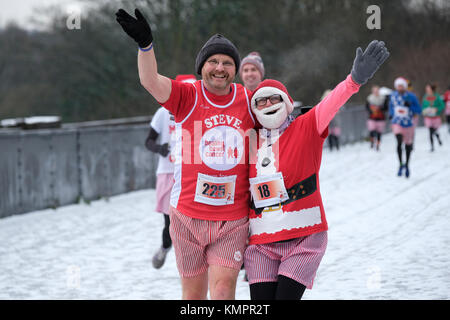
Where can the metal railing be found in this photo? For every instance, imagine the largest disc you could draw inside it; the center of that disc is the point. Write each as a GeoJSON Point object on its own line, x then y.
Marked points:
{"type": "Point", "coordinates": [48, 168]}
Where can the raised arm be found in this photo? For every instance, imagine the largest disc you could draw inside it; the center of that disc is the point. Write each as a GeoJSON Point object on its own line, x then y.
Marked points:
{"type": "Point", "coordinates": [364, 67]}
{"type": "Point", "coordinates": [137, 28]}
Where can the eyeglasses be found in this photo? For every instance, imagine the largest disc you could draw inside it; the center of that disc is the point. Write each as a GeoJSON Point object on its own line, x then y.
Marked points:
{"type": "Point", "coordinates": [215, 62]}
{"type": "Point", "coordinates": [262, 101]}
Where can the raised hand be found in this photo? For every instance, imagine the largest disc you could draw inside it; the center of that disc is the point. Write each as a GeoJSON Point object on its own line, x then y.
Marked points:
{"type": "Point", "coordinates": [367, 63]}
{"type": "Point", "coordinates": [137, 28]}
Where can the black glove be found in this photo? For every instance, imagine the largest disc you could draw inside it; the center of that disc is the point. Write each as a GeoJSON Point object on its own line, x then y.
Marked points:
{"type": "Point", "coordinates": [138, 29]}
{"type": "Point", "coordinates": [163, 149]}
{"type": "Point", "coordinates": [367, 63]}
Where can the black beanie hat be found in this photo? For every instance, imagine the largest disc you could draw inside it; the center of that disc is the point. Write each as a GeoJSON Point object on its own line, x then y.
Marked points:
{"type": "Point", "coordinates": [215, 45]}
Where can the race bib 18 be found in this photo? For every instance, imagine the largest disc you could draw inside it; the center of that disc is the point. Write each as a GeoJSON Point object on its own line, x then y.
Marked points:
{"type": "Point", "coordinates": [268, 190]}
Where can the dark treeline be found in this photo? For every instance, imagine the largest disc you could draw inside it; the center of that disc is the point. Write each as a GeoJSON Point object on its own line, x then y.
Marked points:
{"type": "Point", "coordinates": [91, 73]}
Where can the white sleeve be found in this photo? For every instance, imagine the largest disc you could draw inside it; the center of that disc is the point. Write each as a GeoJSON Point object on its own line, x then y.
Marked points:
{"type": "Point", "coordinates": [157, 120]}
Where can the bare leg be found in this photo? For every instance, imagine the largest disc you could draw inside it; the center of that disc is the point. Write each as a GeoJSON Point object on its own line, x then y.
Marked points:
{"type": "Point", "coordinates": [195, 288]}
{"type": "Point", "coordinates": [222, 282]}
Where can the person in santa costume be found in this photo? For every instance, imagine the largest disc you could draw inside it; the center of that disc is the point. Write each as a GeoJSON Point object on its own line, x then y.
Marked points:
{"type": "Point", "coordinates": [288, 227]}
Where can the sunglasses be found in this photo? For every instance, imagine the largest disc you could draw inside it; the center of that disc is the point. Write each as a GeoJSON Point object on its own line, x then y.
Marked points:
{"type": "Point", "coordinates": [262, 101]}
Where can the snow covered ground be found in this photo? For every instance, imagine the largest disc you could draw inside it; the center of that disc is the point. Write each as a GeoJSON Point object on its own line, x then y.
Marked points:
{"type": "Point", "coordinates": [389, 237]}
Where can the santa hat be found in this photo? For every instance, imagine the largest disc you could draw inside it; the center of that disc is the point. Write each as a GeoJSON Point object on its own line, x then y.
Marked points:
{"type": "Point", "coordinates": [189, 78]}
{"type": "Point", "coordinates": [400, 81]}
{"type": "Point", "coordinates": [272, 117]}
{"type": "Point", "coordinates": [255, 59]}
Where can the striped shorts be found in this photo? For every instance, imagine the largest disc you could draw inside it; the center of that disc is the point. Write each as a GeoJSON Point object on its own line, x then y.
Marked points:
{"type": "Point", "coordinates": [376, 125]}
{"type": "Point", "coordinates": [297, 259]}
{"type": "Point", "coordinates": [407, 133]}
{"type": "Point", "coordinates": [200, 243]}
{"type": "Point", "coordinates": [432, 122]}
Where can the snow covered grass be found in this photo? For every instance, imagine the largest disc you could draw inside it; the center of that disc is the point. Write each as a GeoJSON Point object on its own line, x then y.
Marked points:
{"type": "Point", "coordinates": [388, 236]}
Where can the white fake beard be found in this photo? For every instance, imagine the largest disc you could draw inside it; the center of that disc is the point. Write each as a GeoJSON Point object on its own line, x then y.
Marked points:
{"type": "Point", "coordinates": [272, 121]}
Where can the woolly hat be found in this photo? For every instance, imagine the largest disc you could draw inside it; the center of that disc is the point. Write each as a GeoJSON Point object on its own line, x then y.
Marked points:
{"type": "Point", "coordinates": [272, 117]}
{"type": "Point", "coordinates": [400, 81]}
{"type": "Point", "coordinates": [189, 78]}
{"type": "Point", "coordinates": [217, 44]}
{"type": "Point", "coordinates": [255, 59]}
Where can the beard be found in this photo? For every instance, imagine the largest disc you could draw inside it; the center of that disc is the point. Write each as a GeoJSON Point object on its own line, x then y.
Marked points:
{"type": "Point", "coordinates": [217, 83]}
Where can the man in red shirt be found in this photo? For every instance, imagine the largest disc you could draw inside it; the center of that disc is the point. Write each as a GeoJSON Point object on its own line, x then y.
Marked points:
{"type": "Point", "coordinates": [209, 200]}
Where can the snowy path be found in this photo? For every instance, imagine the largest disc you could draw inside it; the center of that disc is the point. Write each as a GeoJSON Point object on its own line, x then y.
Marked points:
{"type": "Point", "coordinates": [388, 237]}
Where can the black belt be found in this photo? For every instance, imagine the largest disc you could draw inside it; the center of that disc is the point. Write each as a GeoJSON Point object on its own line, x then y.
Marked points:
{"type": "Point", "coordinates": [296, 192]}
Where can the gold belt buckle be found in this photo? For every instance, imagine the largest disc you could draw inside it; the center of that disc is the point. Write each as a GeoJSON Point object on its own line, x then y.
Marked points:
{"type": "Point", "coordinates": [272, 208]}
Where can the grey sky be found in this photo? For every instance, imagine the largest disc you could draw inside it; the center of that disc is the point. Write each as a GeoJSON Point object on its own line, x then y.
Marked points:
{"type": "Point", "coordinates": [20, 11]}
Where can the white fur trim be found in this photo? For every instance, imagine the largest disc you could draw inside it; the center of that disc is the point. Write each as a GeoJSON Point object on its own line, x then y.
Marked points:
{"type": "Point", "coordinates": [276, 221]}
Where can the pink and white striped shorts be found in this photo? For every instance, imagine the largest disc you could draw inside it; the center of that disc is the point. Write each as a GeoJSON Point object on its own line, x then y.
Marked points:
{"type": "Point", "coordinates": [200, 243]}
{"type": "Point", "coordinates": [432, 122]}
{"type": "Point", "coordinates": [297, 259]}
{"type": "Point", "coordinates": [376, 125]}
{"type": "Point", "coordinates": [407, 133]}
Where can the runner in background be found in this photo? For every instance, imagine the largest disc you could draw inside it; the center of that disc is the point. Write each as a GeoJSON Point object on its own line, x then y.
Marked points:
{"type": "Point", "coordinates": [376, 105]}
{"type": "Point", "coordinates": [161, 140]}
{"type": "Point", "coordinates": [404, 109]}
{"type": "Point", "coordinates": [252, 70]}
{"type": "Point", "coordinates": [432, 108]}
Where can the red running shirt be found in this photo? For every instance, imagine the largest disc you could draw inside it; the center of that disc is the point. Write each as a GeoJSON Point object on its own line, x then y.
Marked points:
{"type": "Point", "coordinates": [211, 165]}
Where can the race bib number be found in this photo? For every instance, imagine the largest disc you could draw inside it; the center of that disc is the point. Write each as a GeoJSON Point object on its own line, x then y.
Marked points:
{"type": "Point", "coordinates": [268, 190]}
{"type": "Point", "coordinates": [401, 112]}
{"type": "Point", "coordinates": [216, 191]}
{"type": "Point", "coordinates": [429, 112]}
